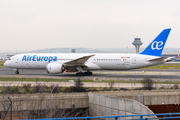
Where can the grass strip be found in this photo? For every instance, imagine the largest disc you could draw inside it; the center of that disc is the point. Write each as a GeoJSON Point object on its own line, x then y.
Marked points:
{"type": "Point", "coordinates": [2, 63]}
{"type": "Point", "coordinates": [83, 80]}
{"type": "Point", "coordinates": [164, 67]}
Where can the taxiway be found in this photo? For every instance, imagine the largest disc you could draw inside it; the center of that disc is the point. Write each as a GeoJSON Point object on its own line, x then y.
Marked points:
{"type": "Point", "coordinates": [138, 74]}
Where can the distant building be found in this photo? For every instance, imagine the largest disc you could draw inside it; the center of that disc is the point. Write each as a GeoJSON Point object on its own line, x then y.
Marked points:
{"type": "Point", "coordinates": [8, 56]}
{"type": "Point", "coordinates": [73, 50]}
{"type": "Point", "coordinates": [175, 55]}
{"type": "Point", "coordinates": [137, 43]}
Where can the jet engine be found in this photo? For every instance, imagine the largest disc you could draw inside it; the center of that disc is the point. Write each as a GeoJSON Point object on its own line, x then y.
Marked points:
{"type": "Point", "coordinates": [54, 68]}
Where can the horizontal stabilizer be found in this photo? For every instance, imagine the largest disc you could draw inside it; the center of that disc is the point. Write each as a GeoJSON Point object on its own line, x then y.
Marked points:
{"type": "Point", "coordinates": [157, 59]}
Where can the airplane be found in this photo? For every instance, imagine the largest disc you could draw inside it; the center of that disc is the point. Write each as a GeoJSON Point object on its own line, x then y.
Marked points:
{"type": "Point", "coordinates": [179, 57]}
{"type": "Point", "coordinates": [83, 64]}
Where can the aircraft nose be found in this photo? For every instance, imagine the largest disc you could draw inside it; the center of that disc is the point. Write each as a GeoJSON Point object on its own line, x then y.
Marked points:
{"type": "Point", "coordinates": [6, 64]}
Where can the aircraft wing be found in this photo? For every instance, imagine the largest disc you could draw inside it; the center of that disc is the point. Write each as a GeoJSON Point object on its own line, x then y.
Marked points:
{"type": "Point", "coordinates": [78, 62]}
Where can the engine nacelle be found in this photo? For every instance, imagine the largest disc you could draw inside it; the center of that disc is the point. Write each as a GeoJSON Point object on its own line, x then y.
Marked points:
{"type": "Point", "coordinates": [54, 68]}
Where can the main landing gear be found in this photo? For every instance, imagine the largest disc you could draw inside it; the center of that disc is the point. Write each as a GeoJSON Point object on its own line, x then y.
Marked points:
{"type": "Point", "coordinates": [17, 71]}
{"type": "Point", "coordinates": [84, 73]}
{"type": "Point", "coordinates": [81, 73]}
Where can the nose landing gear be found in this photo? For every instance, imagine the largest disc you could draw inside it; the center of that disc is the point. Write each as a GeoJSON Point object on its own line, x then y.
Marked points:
{"type": "Point", "coordinates": [17, 71]}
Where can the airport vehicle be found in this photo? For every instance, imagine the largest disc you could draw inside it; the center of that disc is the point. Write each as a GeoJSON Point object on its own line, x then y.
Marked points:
{"type": "Point", "coordinates": [83, 64]}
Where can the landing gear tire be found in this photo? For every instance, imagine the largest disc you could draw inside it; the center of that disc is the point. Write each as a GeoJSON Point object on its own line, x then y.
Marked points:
{"type": "Point", "coordinates": [83, 74]}
{"type": "Point", "coordinates": [88, 73]}
{"type": "Point", "coordinates": [17, 72]}
{"type": "Point", "coordinates": [80, 74]}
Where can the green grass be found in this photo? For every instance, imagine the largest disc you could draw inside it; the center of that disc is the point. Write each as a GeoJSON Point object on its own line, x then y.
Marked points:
{"type": "Point", "coordinates": [83, 80]}
{"type": "Point", "coordinates": [38, 79]}
{"type": "Point", "coordinates": [164, 66]}
{"type": "Point", "coordinates": [32, 79]}
{"type": "Point", "coordinates": [1, 63]}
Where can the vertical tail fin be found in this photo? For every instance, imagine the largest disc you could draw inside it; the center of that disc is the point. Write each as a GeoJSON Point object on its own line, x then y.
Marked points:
{"type": "Point", "coordinates": [178, 56]}
{"type": "Point", "coordinates": [156, 47]}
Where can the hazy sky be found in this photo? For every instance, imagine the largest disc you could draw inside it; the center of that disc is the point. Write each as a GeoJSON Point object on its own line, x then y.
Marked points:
{"type": "Point", "coordinates": [36, 24]}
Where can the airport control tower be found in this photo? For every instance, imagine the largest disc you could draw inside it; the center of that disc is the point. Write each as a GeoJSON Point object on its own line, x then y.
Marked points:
{"type": "Point", "coordinates": [137, 43]}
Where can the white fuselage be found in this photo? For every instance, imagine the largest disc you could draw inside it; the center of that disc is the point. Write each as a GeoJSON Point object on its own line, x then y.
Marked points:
{"type": "Point", "coordinates": [97, 62]}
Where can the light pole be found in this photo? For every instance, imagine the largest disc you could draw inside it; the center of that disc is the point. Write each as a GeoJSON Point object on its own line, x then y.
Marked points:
{"type": "Point", "coordinates": [51, 94]}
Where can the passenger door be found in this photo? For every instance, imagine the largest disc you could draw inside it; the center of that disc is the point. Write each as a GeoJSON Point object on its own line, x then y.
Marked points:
{"type": "Point", "coordinates": [134, 61]}
{"type": "Point", "coordinates": [16, 59]}
{"type": "Point", "coordinates": [93, 59]}
{"type": "Point", "coordinates": [126, 62]}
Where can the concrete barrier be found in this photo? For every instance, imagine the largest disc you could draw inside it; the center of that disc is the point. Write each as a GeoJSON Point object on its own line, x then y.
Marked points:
{"type": "Point", "coordinates": [101, 105]}
{"type": "Point", "coordinates": [153, 97]}
{"type": "Point", "coordinates": [43, 101]}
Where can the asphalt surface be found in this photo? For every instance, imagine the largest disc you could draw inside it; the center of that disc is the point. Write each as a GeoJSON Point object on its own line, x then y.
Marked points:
{"type": "Point", "coordinates": [138, 74]}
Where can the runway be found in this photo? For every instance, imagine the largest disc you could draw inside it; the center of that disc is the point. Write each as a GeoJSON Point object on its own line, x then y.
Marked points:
{"type": "Point", "coordinates": [138, 74]}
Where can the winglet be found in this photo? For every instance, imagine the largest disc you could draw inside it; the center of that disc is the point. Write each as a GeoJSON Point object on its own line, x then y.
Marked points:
{"type": "Point", "coordinates": [156, 47]}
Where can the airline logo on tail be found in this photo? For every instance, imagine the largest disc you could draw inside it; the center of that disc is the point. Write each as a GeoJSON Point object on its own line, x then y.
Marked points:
{"type": "Point", "coordinates": [157, 45]}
